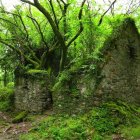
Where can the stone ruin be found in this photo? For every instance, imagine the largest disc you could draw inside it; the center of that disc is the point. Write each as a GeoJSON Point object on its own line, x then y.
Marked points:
{"type": "Point", "coordinates": [120, 70]}
{"type": "Point", "coordinates": [31, 92]}
{"type": "Point", "coordinates": [118, 77]}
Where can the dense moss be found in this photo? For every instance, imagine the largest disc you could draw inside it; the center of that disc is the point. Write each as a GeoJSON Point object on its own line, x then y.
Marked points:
{"type": "Point", "coordinates": [96, 124]}
{"type": "Point", "coordinates": [34, 71]}
{"type": "Point", "coordinates": [20, 117]}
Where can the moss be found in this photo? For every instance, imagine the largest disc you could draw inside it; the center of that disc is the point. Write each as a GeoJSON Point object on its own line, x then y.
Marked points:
{"type": "Point", "coordinates": [20, 117]}
{"type": "Point", "coordinates": [36, 74]}
{"type": "Point", "coordinates": [117, 33]}
{"type": "Point", "coordinates": [95, 124]}
{"type": "Point", "coordinates": [34, 71]}
{"type": "Point", "coordinates": [131, 132]}
{"type": "Point", "coordinates": [6, 94]}
{"type": "Point", "coordinates": [10, 85]}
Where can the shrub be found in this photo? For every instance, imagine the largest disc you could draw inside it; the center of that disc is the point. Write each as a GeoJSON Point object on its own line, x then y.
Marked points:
{"type": "Point", "coordinates": [6, 98]}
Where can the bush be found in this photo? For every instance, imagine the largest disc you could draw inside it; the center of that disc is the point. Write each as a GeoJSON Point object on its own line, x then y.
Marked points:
{"type": "Point", "coordinates": [10, 85]}
{"type": "Point", "coordinates": [95, 125]}
{"type": "Point", "coordinates": [6, 98]}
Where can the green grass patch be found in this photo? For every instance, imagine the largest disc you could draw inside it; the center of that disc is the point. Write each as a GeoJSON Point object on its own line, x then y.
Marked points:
{"type": "Point", "coordinates": [131, 133]}
{"type": "Point", "coordinates": [95, 125]}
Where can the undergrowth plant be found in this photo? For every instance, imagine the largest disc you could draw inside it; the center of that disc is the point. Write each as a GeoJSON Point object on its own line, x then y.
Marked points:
{"type": "Point", "coordinates": [6, 97]}
{"type": "Point", "coordinates": [96, 124]}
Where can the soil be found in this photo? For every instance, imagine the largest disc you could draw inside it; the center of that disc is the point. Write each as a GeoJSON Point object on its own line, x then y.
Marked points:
{"type": "Point", "coordinates": [12, 131]}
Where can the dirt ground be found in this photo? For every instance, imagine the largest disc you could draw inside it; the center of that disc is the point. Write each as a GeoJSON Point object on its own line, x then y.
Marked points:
{"type": "Point", "coordinates": [11, 131]}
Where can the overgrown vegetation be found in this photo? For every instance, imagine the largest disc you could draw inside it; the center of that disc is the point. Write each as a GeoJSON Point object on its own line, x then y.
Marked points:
{"type": "Point", "coordinates": [60, 40]}
{"type": "Point", "coordinates": [97, 124]}
{"type": "Point", "coordinates": [7, 97]}
{"type": "Point", "coordinates": [20, 117]}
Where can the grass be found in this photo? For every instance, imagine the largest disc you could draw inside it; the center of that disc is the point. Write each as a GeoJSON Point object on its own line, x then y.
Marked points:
{"type": "Point", "coordinates": [132, 133]}
{"type": "Point", "coordinates": [98, 124]}
{"type": "Point", "coordinates": [101, 123]}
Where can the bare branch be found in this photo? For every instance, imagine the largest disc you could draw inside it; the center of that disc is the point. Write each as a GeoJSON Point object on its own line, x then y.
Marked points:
{"type": "Point", "coordinates": [63, 2]}
{"type": "Point", "coordinates": [26, 1]}
{"type": "Point", "coordinates": [133, 7]}
{"type": "Point", "coordinates": [81, 25]}
{"type": "Point", "coordinates": [54, 14]}
{"type": "Point", "coordinates": [101, 19]}
{"type": "Point", "coordinates": [60, 5]}
{"type": "Point", "coordinates": [39, 30]}
{"type": "Point", "coordinates": [129, 7]}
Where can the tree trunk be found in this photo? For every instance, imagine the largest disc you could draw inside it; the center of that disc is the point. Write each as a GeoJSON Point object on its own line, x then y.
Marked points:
{"type": "Point", "coordinates": [5, 77]}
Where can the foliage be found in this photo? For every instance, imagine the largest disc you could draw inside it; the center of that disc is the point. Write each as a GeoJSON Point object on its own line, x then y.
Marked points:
{"type": "Point", "coordinates": [20, 117]}
{"type": "Point", "coordinates": [108, 117]}
{"type": "Point", "coordinates": [85, 59]}
{"type": "Point", "coordinates": [47, 37]}
{"type": "Point", "coordinates": [132, 132]}
{"type": "Point", "coordinates": [6, 98]}
{"type": "Point", "coordinates": [10, 85]}
{"type": "Point", "coordinates": [96, 124]}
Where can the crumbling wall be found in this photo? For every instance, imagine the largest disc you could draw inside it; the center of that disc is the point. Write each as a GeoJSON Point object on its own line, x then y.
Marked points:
{"type": "Point", "coordinates": [121, 66]}
{"type": "Point", "coordinates": [31, 92]}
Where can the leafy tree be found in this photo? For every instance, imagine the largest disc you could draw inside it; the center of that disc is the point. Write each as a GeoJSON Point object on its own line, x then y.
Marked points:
{"type": "Point", "coordinates": [42, 40]}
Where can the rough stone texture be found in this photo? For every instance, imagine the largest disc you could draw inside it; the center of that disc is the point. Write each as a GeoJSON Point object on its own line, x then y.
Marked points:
{"type": "Point", "coordinates": [31, 93]}
{"type": "Point", "coordinates": [121, 69]}
{"type": "Point", "coordinates": [75, 96]}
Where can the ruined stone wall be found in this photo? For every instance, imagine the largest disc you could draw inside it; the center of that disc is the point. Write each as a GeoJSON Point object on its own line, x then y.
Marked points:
{"type": "Point", "coordinates": [31, 93]}
{"type": "Point", "coordinates": [117, 75]}
{"type": "Point", "coordinates": [121, 70]}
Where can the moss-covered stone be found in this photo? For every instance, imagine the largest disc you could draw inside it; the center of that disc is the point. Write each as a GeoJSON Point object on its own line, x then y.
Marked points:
{"type": "Point", "coordinates": [120, 68]}
{"type": "Point", "coordinates": [20, 117]}
{"type": "Point", "coordinates": [37, 72]}
{"type": "Point", "coordinates": [32, 91]}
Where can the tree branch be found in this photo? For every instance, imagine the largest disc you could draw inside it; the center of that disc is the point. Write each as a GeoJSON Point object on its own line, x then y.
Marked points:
{"type": "Point", "coordinates": [60, 5]}
{"type": "Point", "coordinates": [101, 19]}
{"type": "Point", "coordinates": [19, 52]}
{"type": "Point", "coordinates": [27, 37]}
{"type": "Point", "coordinates": [81, 25]}
{"type": "Point", "coordinates": [39, 30]}
{"type": "Point", "coordinates": [26, 1]}
{"type": "Point", "coordinates": [51, 22]}
{"type": "Point", "coordinates": [54, 14]}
